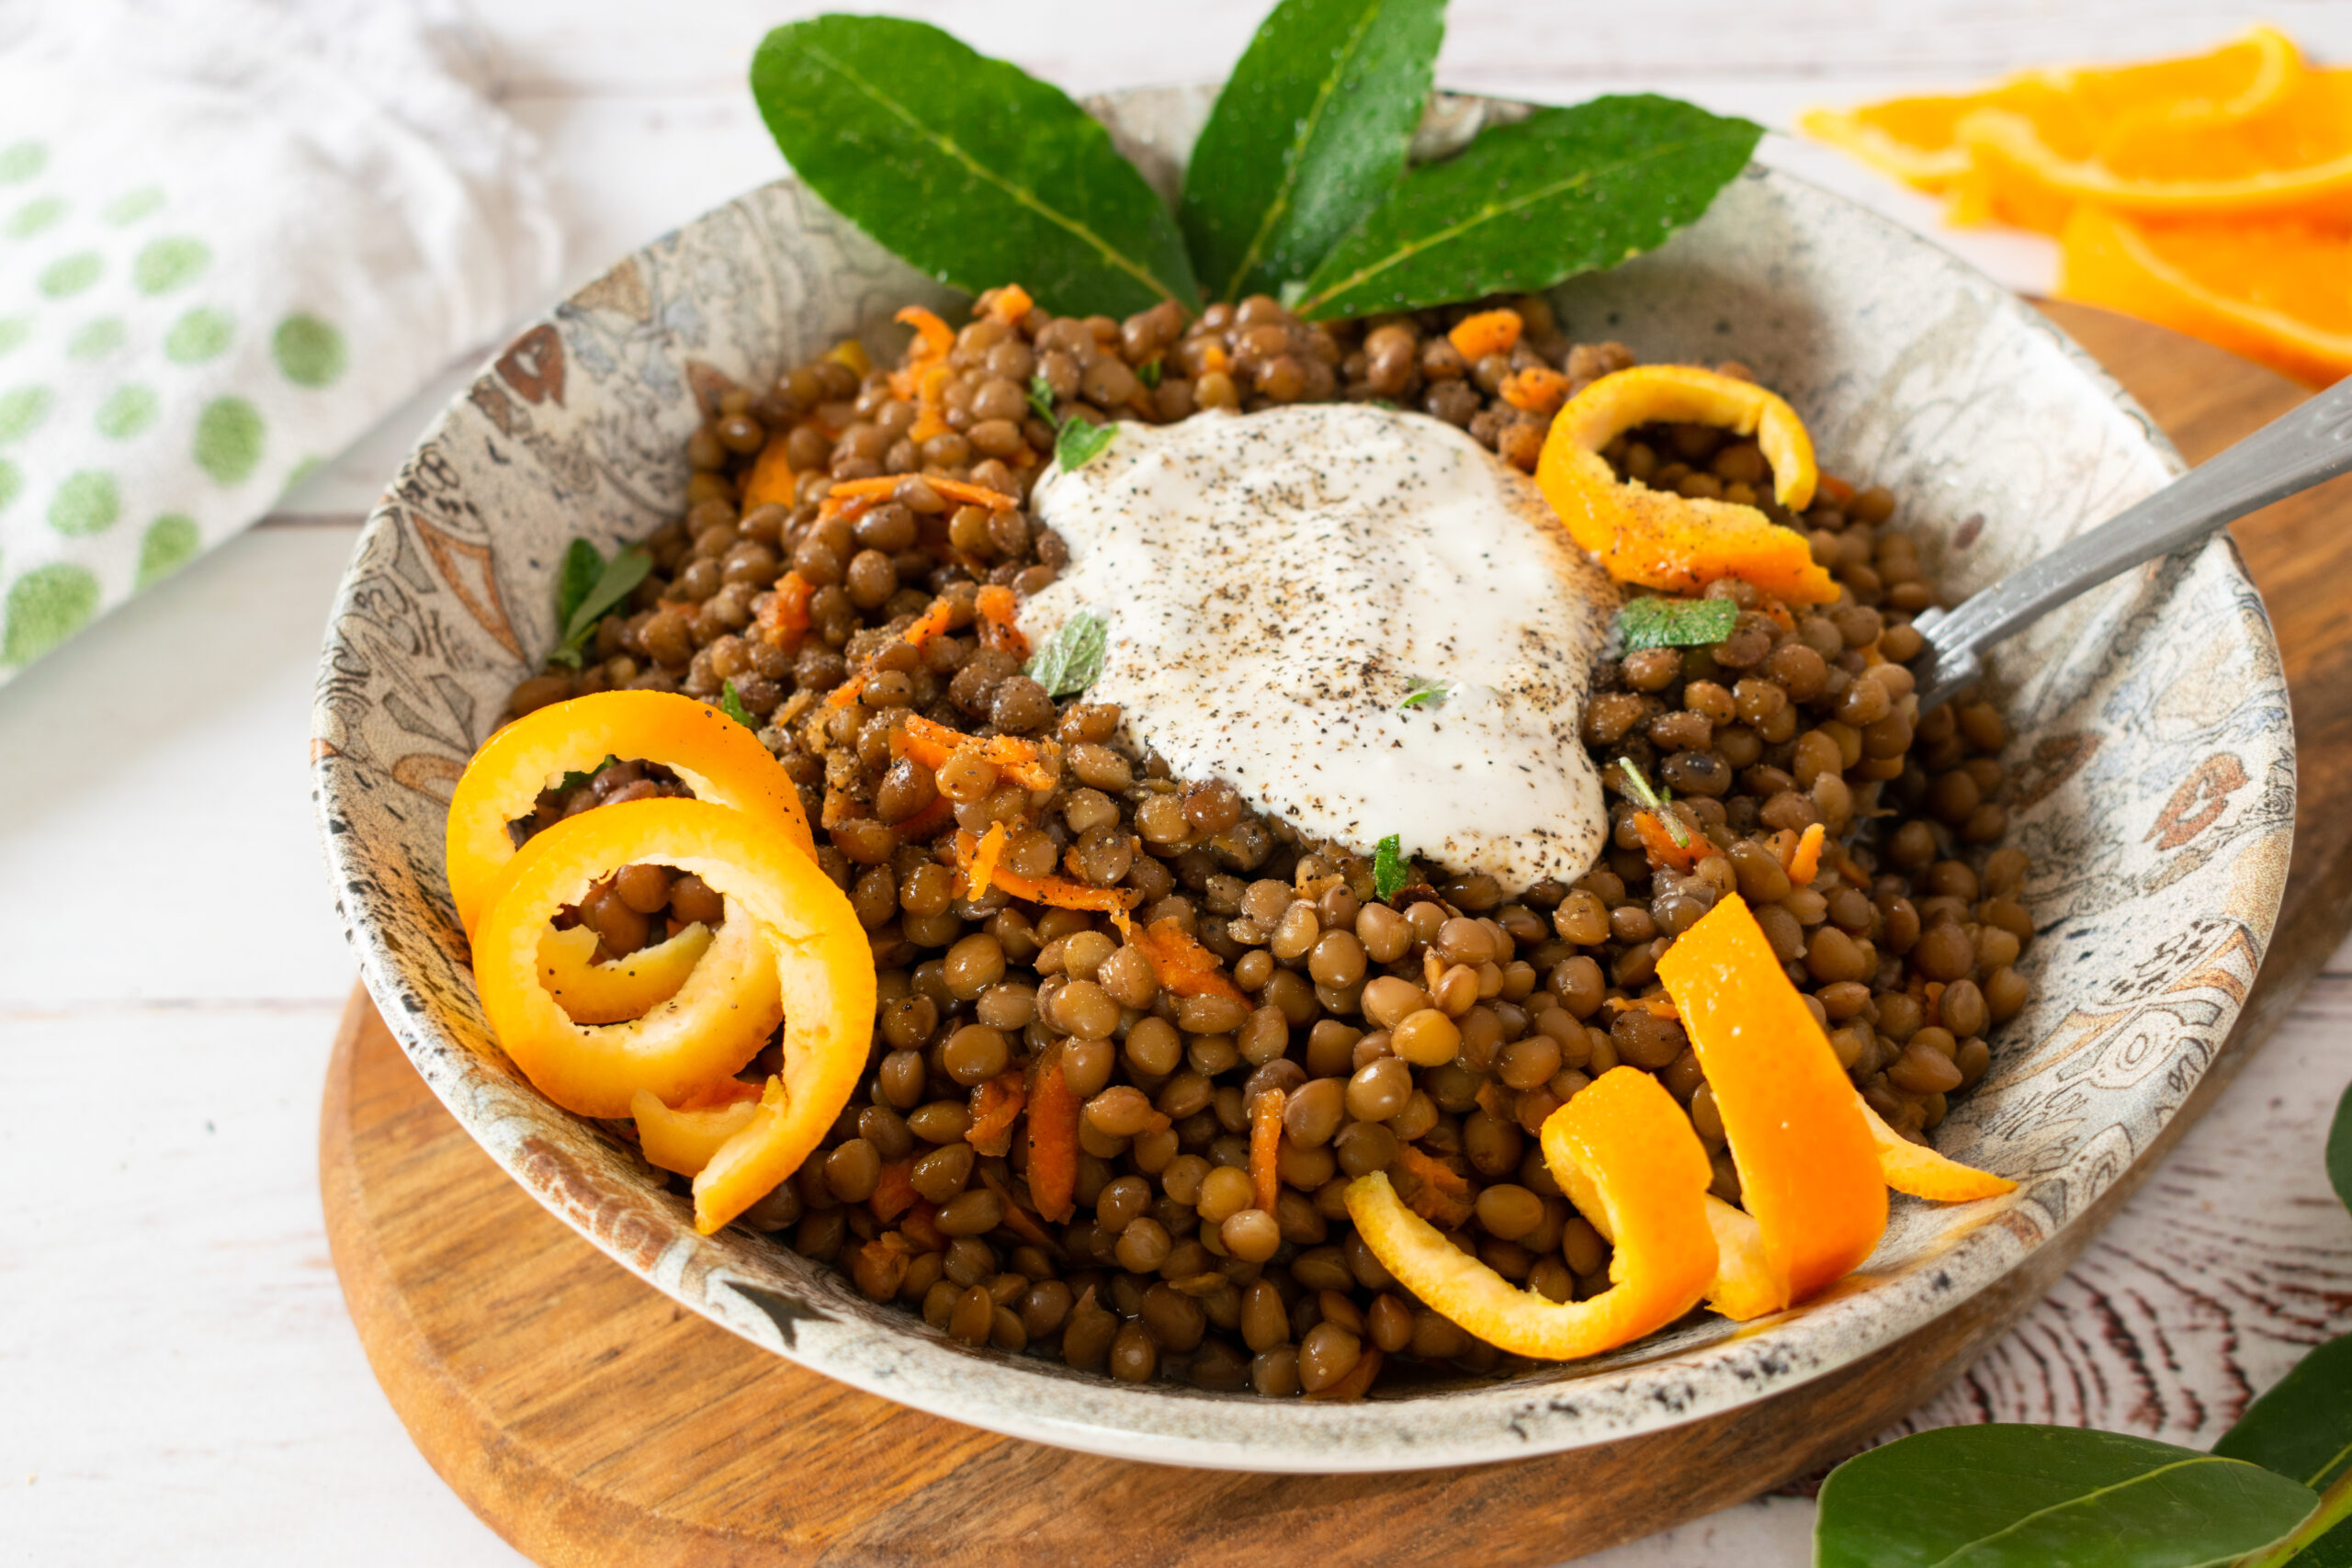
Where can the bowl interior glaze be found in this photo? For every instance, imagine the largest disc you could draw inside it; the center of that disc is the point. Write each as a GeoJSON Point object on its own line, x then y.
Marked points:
{"type": "Point", "coordinates": [2152, 760]}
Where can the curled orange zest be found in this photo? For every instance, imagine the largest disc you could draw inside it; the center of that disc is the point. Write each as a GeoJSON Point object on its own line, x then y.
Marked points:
{"type": "Point", "coordinates": [1625, 1154]}
{"type": "Point", "coordinates": [1804, 861]}
{"type": "Point", "coordinates": [996, 1105]}
{"type": "Point", "coordinates": [1808, 1173]}
{"type": "Point", "coordinates": [894, 1193]}
{"type": "Point", "coordinates": [772, 480]}
{"type": "Point", "coordinates": [1658, 843]}
{"type": "Point", "coordinates": [790, 947]}
{"type": "Point", "coordinates": [1010, 304]}
{"type": "Point", "coordinates": [1054, 1110]}
{"type": "Point", "coordinates": [999, 610]}
{"type": "Point", "coordinates": [719, 759]}
{"type": "Point", "coordinates": [1678, 543]}
{"type": "Point", "coordinates": [1920, 1172]}
{"type": "Point", "coordinates": [938, 618]}
{"type": "Point", "coordinates": [1357, 1384]}
{"type": "Point", "coordinates": [1441, 1194]}
{"type": "Point", "coordinates": [783, 621]}
{"type": "Point", "coordinates": [1539, 390]}
{"type": "Point", "coordinates": [589, 992]}
{"type": "Point", "coordinates": [1265, 1147]}
{"type": "Point", "coordinates": [1184, 966]}
{"type": "Point", "coordinates": [683, 1140]}
{"type": "Point", "coordinates": [1489, 331]}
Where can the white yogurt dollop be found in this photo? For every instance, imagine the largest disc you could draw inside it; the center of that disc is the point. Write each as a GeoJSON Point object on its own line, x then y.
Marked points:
{"type": "Point", "coordinates": [1278, 583]}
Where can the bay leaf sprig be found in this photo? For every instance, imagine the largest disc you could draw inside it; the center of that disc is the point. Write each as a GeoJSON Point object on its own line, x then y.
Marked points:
{"type": "Point", "coordinates": [586, 586]}
{"type": "Point", "coordinates": [1525, 205]}
{"type": "Point", "coordinates": [1310, 133]}
{"type": "Point", "coordinates": [968, 167]}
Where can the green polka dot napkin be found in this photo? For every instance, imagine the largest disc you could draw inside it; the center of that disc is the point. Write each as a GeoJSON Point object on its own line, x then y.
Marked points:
{"type": "Point", "coordinates": [233, 234]}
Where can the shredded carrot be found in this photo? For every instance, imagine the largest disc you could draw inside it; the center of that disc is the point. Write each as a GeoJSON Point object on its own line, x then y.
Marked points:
{"type": "Point", "coordinates": [1061, 893]}
{"type": "Point", "coordinates": [939, 618]}
{"type": "Point", "coordinates": [938, 337]}
{"type": "Point", "coordinates": [1833, 486]}
{"type": "Point", "coordinates": [1265, 1147]}
{"type": "Point", "coordinates": [1656, 1007]}
{"type": "Point", "coordinates": [1660, 844]}
{"type": "Point", "coordinates": [926, 823]}
{"type": "Point", "coordinates": [1489, 331]}
{"type": "Point", "coordinates": [1805, 863]}
{"type": "Point", "coordinates": [1358, 1381]}
{"type": "Point", "coordinates": [998, 608]}
{"type": "Point", "coordinates": [1539, 390]}
{"type": "Point", "coordinates": [1017, 1219]}
{"type": "Point", "coordinates": [1053, 1142]}
{"type": "Point", "coordinates": [886, 1248]}
{"type": "Point", "coordinates": [970, 493]}
{"type": "Point", "coordinates": [773, 481]}
{"type": "Point", "coordinates": [1499, 1101]}
{"type": "Point", "coordinates": [894, 1193]}
{"type": "Point", "coordinates": [1184, 966]}
{"type": "Point", "coordinates": [996, 1105]}
{"type": "Point", "coordinates": [1010, 304]}
{"type": "Point", "coordinates": [932, 743]}
{"type": "Point", "coordinates": [920, 1224]}
{"type": "Point", "coordinates": [1214, 357]}
{"type": "Point", "coordinates": [979, 863]}
{"type": "Point", "coordinates": [1443, 1195]}
{"type": "Point", "coordinates": [783, 623]}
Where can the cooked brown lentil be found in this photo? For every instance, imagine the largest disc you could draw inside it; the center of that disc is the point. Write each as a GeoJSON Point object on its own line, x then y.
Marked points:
{"type": "Point", "coordinates": [1454, 1020]}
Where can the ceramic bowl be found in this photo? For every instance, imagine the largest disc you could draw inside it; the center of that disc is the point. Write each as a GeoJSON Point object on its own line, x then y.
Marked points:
{"type": "Point", "coordinates": [2153, 768]}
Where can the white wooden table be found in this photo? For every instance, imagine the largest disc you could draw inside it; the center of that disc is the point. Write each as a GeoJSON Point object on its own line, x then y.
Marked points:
{"type": "Point", "coordinates": [179, 1382]}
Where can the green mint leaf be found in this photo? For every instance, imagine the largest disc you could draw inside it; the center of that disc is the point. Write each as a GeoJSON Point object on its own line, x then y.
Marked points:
{"type": "Point", "coordinates": [1424, 691]}
{"type": "Point", "coordinates": [1078, 443]}
{"type": "Point", "coordinates": [615, 583]}
{"type": "Point", "coordinates": [1071, 659]}
{"type": "Point", "coordinates": [1307, 136]}
{"type": "Point", "coordinates": [1041, 398]}
{"type": "Point", "coordinates": [2339, 1151]}
{"type": "Point", "coordinates": [1675, 622]}
{"type": "Point", "coordinates": [1149, 372]}
{"type": "Point", "coordinates": [575, 579]}
{"type": "Point", "coordinates": [1390, 869]}
{"type": "Point", "coordinates": [969, 168]}
{"type": "Point", "coordinates": [1525, 206]}
{"type": "Point", "coordinates": [2010, 1496]}
{"type": "Point", "coordinates": [1638, 787]}
{"type": "Point", "coordinates": [732, 706]}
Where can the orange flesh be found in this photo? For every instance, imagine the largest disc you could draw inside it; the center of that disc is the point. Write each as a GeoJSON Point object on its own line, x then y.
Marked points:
{"type": "Point", "coordinates": [1808, 1168]}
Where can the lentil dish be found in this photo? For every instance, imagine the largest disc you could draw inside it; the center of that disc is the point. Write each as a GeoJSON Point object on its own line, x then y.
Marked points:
{"type": "Point", "coordinates": [1430, 1035]}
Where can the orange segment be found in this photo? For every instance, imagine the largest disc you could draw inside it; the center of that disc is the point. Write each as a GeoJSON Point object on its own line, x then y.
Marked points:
{"type": "Point", "coordinates": [2279, 292]}
{"type": "Point", "coordinates": [2294, 155]}
{"type": "Point", "coordinates": [1918, 138]}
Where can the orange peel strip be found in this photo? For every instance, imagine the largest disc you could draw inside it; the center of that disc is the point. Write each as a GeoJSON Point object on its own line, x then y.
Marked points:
{"type": "Point", "coordinates": [1673, 542]}
{"type": "Point", "coordinates": [1627, 1158]}
{"type": "Point", "coordinates": [1808, 1169]}
{"type": "Point", "coordinates": [719, 760]}
{"type": "Point", "coordinates": [1920, 1172]}
{"type": "Point", "coordinates": [685, 1139]}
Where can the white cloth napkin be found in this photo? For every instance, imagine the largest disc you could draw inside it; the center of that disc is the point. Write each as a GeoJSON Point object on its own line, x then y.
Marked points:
{"type": "Point", "coordinates": [233, 234]}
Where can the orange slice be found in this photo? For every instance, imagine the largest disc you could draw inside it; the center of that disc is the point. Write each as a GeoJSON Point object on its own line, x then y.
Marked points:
{"type": "Point", "coordinates": [1918, 138]}
{"type": "Point", "coordinates": [2279, 292]}
{"type": "Point", "coordinates": [2293, 157]}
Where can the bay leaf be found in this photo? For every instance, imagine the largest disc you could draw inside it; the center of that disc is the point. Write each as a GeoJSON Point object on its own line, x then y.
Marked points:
{"type": "Point", "coordinates": [968, 167]}
{"type": "Point", "coordinates": [1307, 135]}
{"type": "Point", "coordinates": [1564, 191]}
{"type": "Point", "coordinates": [2339, 1150]}
{"type": "Point", "coordinates": [2017, 1496]}
{"type": "Point", "coordinates": [2302, 1429]}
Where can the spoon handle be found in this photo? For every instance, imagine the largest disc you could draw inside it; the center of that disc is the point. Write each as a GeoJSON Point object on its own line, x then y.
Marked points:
{"type": "Point", "coordinates": [2294, 453]}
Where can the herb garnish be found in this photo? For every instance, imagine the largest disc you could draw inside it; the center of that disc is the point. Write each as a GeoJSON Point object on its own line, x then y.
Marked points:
{"type": "Point", "coordinates": [1310, 132]}
{"type": "Point", "coordinates": [1297, 186]}
{"type": "Point", "coordinates": [1150, 371]}
{"type": "Point", "coordinates": [588, 585]}
{"type": "Point", "coordinates": [1390, 869]}
{"type": "Point", "coordinates": [574, 778]}
{"type": "Point", "coordinates": [1424, 690]}
{"type": "Point", "coordinates": [1675, 622]}
{"type": "Point", "coordinates": [1076, 440]}
{"type": "Point", "coordinates": [1071, 659]}
{"type": "Point", "coordinates": [1653, 801]}
{"type": "Point", "coordinates": [732, 706]}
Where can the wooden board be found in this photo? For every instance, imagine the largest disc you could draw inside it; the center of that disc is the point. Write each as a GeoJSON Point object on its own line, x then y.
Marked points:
{"type": "Point", "coordinates": [589, 1419]}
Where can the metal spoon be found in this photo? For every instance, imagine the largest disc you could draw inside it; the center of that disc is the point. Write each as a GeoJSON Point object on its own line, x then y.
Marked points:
{"type": "Point", "coordinates": [2290, 454]}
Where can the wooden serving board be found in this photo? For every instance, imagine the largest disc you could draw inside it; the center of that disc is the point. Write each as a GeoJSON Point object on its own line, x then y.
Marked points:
{"type": "Point", "coordinates": [590, 1419]}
